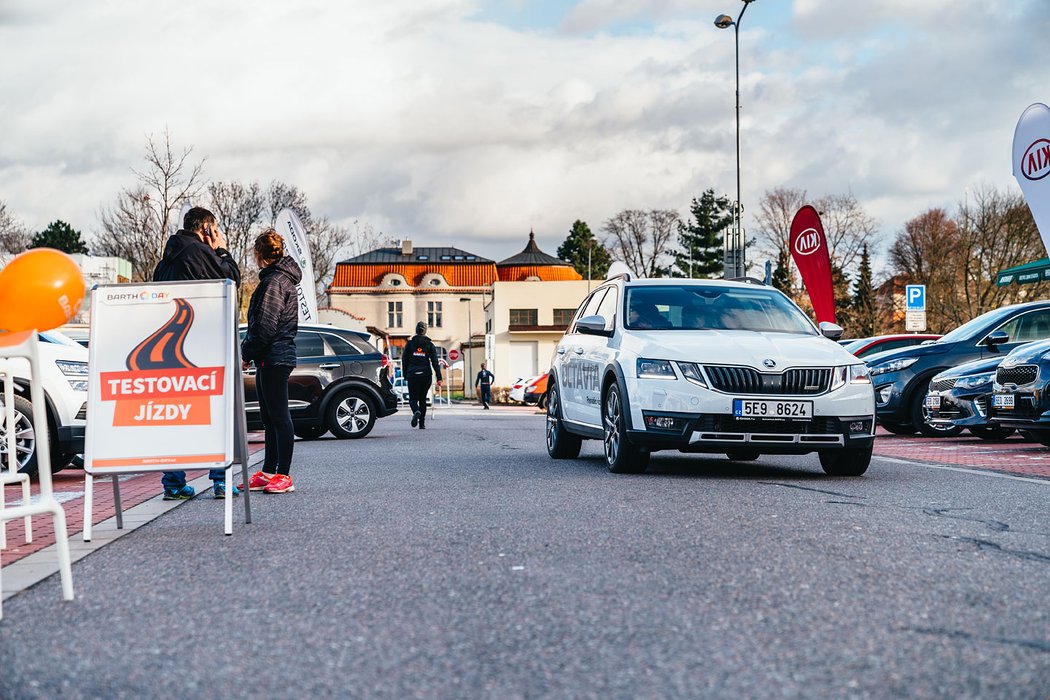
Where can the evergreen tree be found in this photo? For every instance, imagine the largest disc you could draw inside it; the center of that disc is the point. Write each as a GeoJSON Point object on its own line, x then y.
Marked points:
{"type": "Point", "coordinates": [782, 276]}
{"type": "Point", "coordinates": [865, 310]}
{"type": "Point", "coordinates": [581, 244]}
{"type": "Point", "coordinates": [60, 236]}
{"type": "Point", "coordinates": [840, 286]}
{"type": "Point", "coordinates": [701, 237]}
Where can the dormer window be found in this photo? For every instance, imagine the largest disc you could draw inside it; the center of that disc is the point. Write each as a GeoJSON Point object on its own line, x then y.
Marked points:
{"type": "Point", "coordinates": [433, 279]}
{"type": "Point", "coordinates": [394, 280]}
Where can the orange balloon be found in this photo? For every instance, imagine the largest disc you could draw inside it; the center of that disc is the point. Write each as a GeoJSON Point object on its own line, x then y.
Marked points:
{"type": "Point", "coordinates": [40, 289]}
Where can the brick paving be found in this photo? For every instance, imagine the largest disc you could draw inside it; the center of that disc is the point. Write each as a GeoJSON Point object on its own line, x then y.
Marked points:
{"type": "Point", "coordinates": [68, 486]}
{"type": "Point", "coordinates": [1011, 456]}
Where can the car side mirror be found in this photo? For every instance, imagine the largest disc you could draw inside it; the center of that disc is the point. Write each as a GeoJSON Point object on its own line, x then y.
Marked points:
{"type": "Point", "coordinates": [592, 325]}
{"type": "Point", "coordinates": [830, 330]}
{"type": "Point", "coordinates": [996, 339]}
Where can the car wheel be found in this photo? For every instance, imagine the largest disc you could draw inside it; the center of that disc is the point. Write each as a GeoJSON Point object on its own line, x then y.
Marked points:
{"type": "Point", "coordinates": [25, 441]}
{"type": "Point", "coordinates": [542, 403]}
{"type": "Point", "coordinates": [620, 455]}
{"type": "Point", "coordinates": [350, 414]}
{"type": "Point", "coordinates": [742, 455]}
{"type": "Point", "coordinates": [898, 428]}
{"type": "Point", "coordinates": [310, 432]}
{"type": "Point", "coordinates": [992, 434]}
{"type": "Point", "coordinates": [920, 415]}
{"type": "Point", "coordinates": [561, 444]}
{"type": "Point", "coordinates": [850, 461]}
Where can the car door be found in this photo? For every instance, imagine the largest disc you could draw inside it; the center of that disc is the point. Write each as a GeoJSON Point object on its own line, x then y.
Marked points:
{"type": "Point", "coordinates": [563, 364]}
{"type": "Point", "coordinates": [597, 354]}
{"type": "Point", "coordinates": [313, 372]}
{"type": "Point", "coordinates": [579, 376]}
{"type": "Point", "coordinates": [1024, 328]}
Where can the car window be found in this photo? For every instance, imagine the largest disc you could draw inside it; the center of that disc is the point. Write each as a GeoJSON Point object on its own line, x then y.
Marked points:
{"type": "Point", "coordinates": [590, 306]}
{"type": "Point", "coordinates": [607, 308]}
{"type": "Point", "coordinates": [309, 344]}
{"type": "Point", "coordinates": [888, 345]}
{"type": "Point", "coordinates": [694, 307]}
{"type": "Point", "coordinates": [1034, 325]}
{"type": "Point", "coordinates": [975, 325]}
{"type": "Point", "coordinates": [341, 346]}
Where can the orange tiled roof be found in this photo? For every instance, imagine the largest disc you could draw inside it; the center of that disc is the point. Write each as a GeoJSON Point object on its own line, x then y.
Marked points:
{"type": "Point", "coordinates": [546, 273]}
{"type": "Point", "coordinates": [457, 275]}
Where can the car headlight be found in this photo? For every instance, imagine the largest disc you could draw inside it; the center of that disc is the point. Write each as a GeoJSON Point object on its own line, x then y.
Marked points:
{"type": "Point", "coordinates": [691, 372]}
{"type": "Point", "coordinates": [893, 366]}
{"type": "Point", "coordinates": [852, 374]}
{"type": "Point", "coordinates": [72, 369]}
{"type": "Point", "coordinates": [975, 381]}
{"type": "Point", "coordinates": [655, 369]}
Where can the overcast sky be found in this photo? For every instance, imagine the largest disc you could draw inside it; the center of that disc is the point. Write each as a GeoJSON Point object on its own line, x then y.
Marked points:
{"type": "Point", "coordinates": [468, 122]}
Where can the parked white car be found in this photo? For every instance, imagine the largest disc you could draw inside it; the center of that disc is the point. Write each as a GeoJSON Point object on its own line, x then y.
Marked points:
{"type": "Point", "coordinates": [706, 366]}
{"type": "Point", "coordinates": [400, 386]}
{"type": "Point", "coordinates": [64, 375]}
{"type": "Point", "coordinates": [517, 390]}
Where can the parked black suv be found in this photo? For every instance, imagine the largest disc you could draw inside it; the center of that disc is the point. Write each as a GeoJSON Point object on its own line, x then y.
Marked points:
{"type": "Point", "coordinates": [1019, 394]}
{"type": "Point", "coordinates": [902, 377]}
{"type": "Point", "coordinates": [959, 398]}
{"type": "Point", "coordinates": [340, 385]}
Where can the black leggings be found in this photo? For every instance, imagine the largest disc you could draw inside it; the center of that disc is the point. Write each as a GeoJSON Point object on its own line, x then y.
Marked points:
{"type": "Point", "coordinates": [271, 382]}
{"type": "Point", "coordinates": [418, 386]}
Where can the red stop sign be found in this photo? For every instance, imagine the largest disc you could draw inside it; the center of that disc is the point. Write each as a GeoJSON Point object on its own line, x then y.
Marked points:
{"type": "Point", "coordinates": [453, 355]}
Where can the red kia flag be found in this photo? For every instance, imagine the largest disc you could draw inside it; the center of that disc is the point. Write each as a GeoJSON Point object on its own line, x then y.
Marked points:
{"type": "Point", "coordinates": [1032, 164]}
{"type": "Point", "coordinates": [809, 250]}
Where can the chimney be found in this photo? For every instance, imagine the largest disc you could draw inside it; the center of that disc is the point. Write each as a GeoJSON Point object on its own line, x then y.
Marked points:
{"type": "Point", "coordinates": [406, 247]}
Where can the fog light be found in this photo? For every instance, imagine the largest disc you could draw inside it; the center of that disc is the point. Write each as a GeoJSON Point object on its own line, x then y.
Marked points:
{"type": "Point", "coordinates": [858, 426]}
{"type": "Point", "coordinates": [884, 393]}
{"type": "Point", "coordinates": [663, 423]}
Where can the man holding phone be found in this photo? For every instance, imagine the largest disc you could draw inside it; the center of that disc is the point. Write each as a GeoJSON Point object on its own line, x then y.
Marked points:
{"type": "Point", "coordinates": [196, 252]}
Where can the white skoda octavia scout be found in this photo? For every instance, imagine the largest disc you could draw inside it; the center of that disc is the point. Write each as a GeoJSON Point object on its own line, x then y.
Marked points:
{"type": "Point", "coordinates": [709, 366]}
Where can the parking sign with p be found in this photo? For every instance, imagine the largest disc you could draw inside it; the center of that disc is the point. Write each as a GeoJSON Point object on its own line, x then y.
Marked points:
{"type": "Point", "coordinates": [915, 297]}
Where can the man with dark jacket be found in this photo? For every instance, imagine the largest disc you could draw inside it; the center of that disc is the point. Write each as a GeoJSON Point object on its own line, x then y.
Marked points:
{"type": "Point", "coordinates": [484, 383]}
{"type": "Point", "coordinates": [418, 356]}
{"type": "Point", "coordinates": [196, 252]}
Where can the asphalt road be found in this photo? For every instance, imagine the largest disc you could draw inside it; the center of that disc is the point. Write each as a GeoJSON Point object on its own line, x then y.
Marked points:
{"type": "Point", "coordinates": [462, 562]}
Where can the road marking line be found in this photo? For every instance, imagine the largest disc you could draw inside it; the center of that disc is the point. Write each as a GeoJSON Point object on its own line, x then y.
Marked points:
{"type": "Point", "coordinates": [1000, 475]}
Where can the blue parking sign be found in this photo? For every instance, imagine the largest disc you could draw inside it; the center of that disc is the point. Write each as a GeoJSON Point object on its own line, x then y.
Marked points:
{"type": "Point", "coordinates": [915, 297]}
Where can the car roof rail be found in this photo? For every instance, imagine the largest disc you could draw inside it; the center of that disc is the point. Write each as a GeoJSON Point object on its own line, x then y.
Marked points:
{"type": "Point", "coordinates": [747, 280]}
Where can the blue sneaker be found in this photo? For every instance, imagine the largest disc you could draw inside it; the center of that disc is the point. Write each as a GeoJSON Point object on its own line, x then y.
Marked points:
{"type": "Point", "coordinates": [219, 490]}
{"type": "Point", "coordinates": [179, 494]}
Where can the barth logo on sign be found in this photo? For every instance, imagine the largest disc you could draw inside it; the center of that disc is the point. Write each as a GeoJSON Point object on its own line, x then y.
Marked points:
{"type": "Point", "coordinates": [808, 242]}
{"type": "Point", "coordinates": [162, 386]}
{"type": "Point", "coordinates": [136, 297]}
{"type": "Point", "coordinates": [1035, 163]}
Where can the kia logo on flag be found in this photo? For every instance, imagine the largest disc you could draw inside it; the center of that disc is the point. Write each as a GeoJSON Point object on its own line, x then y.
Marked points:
{"type": "Point", "coordinates": [1035, 163]}
{"type": "Point", "coordinates": [808, 242]}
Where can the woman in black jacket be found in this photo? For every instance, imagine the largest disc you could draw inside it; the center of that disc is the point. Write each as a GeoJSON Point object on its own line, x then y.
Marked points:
{"type": "Point", "coordinates": [273, 319]}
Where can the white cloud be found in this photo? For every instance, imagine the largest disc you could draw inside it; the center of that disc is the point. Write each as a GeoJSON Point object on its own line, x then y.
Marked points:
{"type": "Point", "coordinates": [417, 117]}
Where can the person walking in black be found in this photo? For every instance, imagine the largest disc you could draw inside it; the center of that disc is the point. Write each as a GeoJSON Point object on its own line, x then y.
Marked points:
{"type": "Point", "coordinates": [273, 320]}
{"type": "Point", "coordinates": [417, 358]}
{"type": "Point", "coordinates": [484, 383]}
{"type": "Point", "coordinates": [196, 252]}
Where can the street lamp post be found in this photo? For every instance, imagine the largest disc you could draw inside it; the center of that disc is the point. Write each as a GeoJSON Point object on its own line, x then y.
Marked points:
{"type": "Point", "coordinates": [470, 346]}
{"type": "Point", "coordinates": [734, 252]}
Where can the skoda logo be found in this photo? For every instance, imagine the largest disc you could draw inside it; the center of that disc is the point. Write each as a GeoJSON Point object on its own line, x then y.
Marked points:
{"type": "Point", "coordinates": [768, 363]}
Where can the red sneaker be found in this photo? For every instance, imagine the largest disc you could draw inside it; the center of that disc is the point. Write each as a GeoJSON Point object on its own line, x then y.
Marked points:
{"type": "Point", "coordinates": [279, 483]}
{"type": "Point", "coordinates": [259, 481]}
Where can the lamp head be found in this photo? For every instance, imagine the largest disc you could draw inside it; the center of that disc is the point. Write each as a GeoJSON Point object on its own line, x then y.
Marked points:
{"type": "Point", "coordinates": [724, 21]}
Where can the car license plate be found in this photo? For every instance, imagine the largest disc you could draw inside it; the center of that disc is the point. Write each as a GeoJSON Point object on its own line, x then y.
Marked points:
{"type": "Point", "coordinates": [1003, 401]}
{"type": "Point", "coordinates": [933, 402]}
{"type": "Point", "coordinates": [786, 410]}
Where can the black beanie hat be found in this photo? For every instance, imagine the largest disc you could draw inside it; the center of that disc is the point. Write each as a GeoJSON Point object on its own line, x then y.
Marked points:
{"type": "Point", "coordinates": [421, 328]}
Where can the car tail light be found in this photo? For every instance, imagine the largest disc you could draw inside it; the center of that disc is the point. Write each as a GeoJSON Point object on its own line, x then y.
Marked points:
{"type": "Point", "coordinates": [384, 362]}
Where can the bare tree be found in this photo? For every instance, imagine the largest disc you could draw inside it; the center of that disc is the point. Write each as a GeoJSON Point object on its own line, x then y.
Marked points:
{"type": "Point", "coordinates": [139, 221]}
{"type": "Point", "coordinates": [642, 239]}
{"type": "Point", "coordinates": [847, 228]}
{"type": "Point", "coordinates": [775, 214]}
{"type": "Point", "coordinates": [14, 236]}
{"type": "Point", "coordinates": [280, 195]}
{"type": "Point", "coordinates": [239, 208]}
{"type": "Point", "coordinates": [928, 251]}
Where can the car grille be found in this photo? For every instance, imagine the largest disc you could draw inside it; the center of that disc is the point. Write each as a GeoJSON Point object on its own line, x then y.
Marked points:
{"type": "Point", "coordinates": [718, 423]}
{"type": "Point", "coordinates": [943, 384]}
{"type": "Point", "coordinates": [1021, 374]}
{"type": "Point", "coordinates": [747, 380]}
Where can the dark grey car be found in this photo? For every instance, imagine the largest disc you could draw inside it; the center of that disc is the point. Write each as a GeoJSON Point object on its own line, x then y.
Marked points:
{"type": "Point", "coordinates": [341, 384]}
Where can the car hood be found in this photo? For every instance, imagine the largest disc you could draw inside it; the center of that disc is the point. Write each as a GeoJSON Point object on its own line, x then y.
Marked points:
{"type": "Point", "coordinates": [911, 351]}
{"type": "Point", "coordinates": [748, 348]}
{"type": "Point", "coordinates": [968, 368]}
{"type": "Point", "coordinates": [1027, 353]}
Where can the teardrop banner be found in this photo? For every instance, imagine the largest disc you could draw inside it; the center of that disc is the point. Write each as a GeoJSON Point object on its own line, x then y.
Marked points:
{"type": "Point", "coordinates": [809, 250]}
{"type": "Point", "coordinates": [295, 245]}
{"type": "Point", "coordinates": [1032, 164]}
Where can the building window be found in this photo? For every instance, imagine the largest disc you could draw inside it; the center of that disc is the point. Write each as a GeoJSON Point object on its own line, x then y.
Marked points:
{"type": "Point", "coordinates": [523, 317]}
{"type": "Point", "coordinates": [434, 314]}
{"type": "Point", "coordinates": [393, 314]}
{"type": "Point", "coordinates": [563, 317]}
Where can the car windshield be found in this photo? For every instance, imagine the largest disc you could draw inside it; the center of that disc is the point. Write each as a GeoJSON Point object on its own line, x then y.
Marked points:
{"type": "Point", "coordinates": [855, 345]}
{"type": "Point", "coordinates": [694, 307]}
{"type": "Point", "coordinates": [975, 325]}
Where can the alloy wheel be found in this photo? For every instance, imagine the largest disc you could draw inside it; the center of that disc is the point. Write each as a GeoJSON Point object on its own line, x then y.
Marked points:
{"type": "Point", "coordinates": [353, 414]}
{"type": "Point", "coordinates": [612, 426]}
